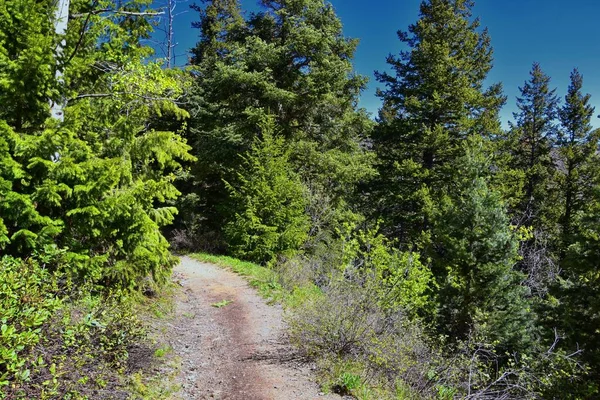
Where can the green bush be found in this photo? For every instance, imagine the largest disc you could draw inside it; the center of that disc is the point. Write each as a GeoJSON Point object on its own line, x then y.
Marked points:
{"type": "Point", "coordinates": [59, 340]}
{"type": "Point", "coordinates": [28, 299]}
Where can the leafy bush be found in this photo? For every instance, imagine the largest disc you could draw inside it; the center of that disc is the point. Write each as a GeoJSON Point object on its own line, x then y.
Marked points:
{"type": "Point", "coordinates": [58, 340]}
{"type": "Point", "coordinates": [28, 299]}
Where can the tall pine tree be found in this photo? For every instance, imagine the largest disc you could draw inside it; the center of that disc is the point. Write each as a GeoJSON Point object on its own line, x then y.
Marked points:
{"type": "Point", "coordinates": [290, 60]}
{"type": "Point", "coordinates": [434, 99]}
{"type": "Point", "coordinates": [577, 146]}
{"type": "Point", "coordinates": [533, 136]}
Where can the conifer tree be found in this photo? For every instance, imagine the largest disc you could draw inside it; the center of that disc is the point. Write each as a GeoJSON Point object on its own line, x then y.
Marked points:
{"type": "Point", "coordinates": [578, 312]}
{"type": "Point", "coordinates": [434, 99]}
{"type": "Point", "coordinates": [578, 290]}
{"type": "Point", "coordinates": [577, 146]}
{"type": "Point", "coordinates": [96, 184]}
{"type": "Point", "coordinates": [473, 253]}
{"type": "Point", "coordinates": [292, 61]}
{"type": "Point", "coordinates": [269, 200]}
{"type": "Point", "coordinates": [533, 137]}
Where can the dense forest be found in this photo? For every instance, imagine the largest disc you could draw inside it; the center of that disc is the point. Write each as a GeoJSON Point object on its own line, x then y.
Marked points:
{"type": "Point", "coordinates": [452, 258]}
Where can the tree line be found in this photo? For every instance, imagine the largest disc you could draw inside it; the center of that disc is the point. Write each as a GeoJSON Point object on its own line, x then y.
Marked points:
{"type": "Point", "coordinates": [486, 238]}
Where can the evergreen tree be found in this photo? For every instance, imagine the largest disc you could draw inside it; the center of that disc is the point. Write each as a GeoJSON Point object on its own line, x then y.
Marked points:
{"type": "Point", "coordinates": [533, 137]}
{"type": "Point", "coordinates": [434, 100]}
{"type": "Point", "coordinates": [219, 21]}
{"type": "Point", "coordinates": [473, 253]}
{"type": "Point", "coordinates": [268, 202]}
{"type": "Point", "coordinates": [96, 184]}
{"type": "Point", "coordinates": [578, 312]}
{"type": "Point", "coordinates": [577, 148]}
{"type": "Point", "coordinates": [291, 60]}
{"type": "Point", "coordinates": [578, 289]}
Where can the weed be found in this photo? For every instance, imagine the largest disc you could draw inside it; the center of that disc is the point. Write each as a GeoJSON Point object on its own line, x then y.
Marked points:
{"type": "Point", "coordinates": [162, 351]}
{"type": "Point", "coordinates": [222, 303]}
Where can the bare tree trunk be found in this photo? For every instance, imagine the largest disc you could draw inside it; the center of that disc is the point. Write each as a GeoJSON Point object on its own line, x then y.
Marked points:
{"type": "Point", "coordinates": [171, 4]}
{"type": "Point", "coordinates": [61, 16]}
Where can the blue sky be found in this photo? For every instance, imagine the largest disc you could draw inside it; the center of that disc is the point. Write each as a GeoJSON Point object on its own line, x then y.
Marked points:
{"type": "Point", "coordinates": [559, 35]}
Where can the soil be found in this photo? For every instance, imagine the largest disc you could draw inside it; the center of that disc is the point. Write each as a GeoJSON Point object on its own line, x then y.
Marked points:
{"type": "Point", "coordinates": [237, 351]}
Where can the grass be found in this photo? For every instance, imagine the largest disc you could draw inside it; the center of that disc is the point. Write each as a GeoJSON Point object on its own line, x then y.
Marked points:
{"type": "Point", "coordinates": [264, 280]}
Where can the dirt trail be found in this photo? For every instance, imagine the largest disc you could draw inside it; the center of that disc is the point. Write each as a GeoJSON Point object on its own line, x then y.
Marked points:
{"type": "Point", "coordinates": [237, 351]}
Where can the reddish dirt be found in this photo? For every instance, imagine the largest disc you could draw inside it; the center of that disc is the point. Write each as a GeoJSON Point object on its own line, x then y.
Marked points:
{"type": "Point", "coordinates": [237, 351]}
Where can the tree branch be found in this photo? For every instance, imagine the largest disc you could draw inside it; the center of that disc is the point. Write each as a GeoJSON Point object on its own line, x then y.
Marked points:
{"type": "Point", "coordinates": [109, 10]}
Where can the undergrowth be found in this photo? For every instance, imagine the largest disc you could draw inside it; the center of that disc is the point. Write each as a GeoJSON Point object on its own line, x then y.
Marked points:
{"type": "Point", "coordinates": [367, 343]}
{"type": "Point", "coordinates": [266, 281]}
{"type": "Point", "coordinates": [59, 340]}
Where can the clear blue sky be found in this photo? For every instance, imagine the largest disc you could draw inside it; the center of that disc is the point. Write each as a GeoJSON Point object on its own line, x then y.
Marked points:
{"type": "Point", "coordinates": [560, 35]}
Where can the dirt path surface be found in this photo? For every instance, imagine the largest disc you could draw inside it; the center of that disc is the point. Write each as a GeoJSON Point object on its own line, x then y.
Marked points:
{"type": "Point", "coordinates": [237, 351]}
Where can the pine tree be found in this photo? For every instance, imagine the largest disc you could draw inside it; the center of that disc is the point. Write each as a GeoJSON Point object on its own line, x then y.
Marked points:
{"type": "Point", "coordinates": [434, 99]}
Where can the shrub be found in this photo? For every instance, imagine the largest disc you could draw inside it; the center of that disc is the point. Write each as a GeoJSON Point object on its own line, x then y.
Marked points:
{"type": "Point", "coordinates": [58, 340]}
{"type": "Point", "coordinates": [347, 323]}
{"type": "Point", "coordinates": [27, 300]}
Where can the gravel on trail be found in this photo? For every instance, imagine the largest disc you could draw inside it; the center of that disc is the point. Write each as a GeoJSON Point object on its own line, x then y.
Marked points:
{"type": "Point", "coordinates": [231, 343]}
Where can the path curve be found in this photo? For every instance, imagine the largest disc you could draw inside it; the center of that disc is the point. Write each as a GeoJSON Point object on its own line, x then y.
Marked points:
{"type": "Point", "coordinates": [235, 352]}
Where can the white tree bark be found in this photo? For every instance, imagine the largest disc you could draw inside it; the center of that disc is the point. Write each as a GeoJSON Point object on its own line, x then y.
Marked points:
{"type": "Point", "coordinates": [61, 16]}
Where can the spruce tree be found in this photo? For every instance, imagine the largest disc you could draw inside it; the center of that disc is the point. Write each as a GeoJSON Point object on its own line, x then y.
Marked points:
{"type": "Point", "coordinates": [577, 145]}
{"type": "Point", "coordinates": [289, 60]}
{"type": "Point", "coordinates": [434, 99]}
{"type": "Point", "coordinates": [473, 251]}
{"type": "Point", "coordinates": [269, 201]}
{"type": "Point", "coordinates": [533, 138]}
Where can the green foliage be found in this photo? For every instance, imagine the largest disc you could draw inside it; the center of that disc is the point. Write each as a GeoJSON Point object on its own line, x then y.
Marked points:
{"type": "Point", "coordinates": [26, 62]}
{"type": "Point", "coordinates": [399, 279]}
{"type": "Point", "coordinates": [434, 99]}
{"type": "Point", "coordinates": [96, 184]}
{"type": "Point", "coordinates": [579, 291]}
{"type": "Point", "coordinates": [291, 60]}
{"type": "Point", "coordinates": [473, 250]}
{"type": "Point", "coordinates": [56, 339]}
{"type": "Point", "coordinates": [267, 202]}
{"type": "Point", "coordinates": [28, 299]}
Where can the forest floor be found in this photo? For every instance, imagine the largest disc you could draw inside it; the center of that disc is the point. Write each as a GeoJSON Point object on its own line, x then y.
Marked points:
{"type": "Point", "coordinates": [231, 344]}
